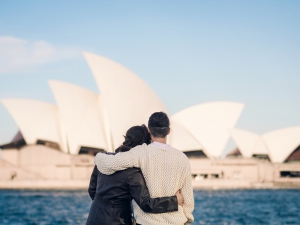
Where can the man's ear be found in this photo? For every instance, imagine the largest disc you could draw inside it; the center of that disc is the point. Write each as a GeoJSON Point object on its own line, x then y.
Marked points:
{"type": "Point", "coordinates": [169, 131]}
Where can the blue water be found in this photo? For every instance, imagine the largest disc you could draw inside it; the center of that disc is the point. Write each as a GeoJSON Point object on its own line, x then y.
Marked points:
{"type": "Point", "coordinates": [211, 207]}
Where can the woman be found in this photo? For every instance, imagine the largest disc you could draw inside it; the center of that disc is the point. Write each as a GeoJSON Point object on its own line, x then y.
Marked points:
{"type": "Point", "coordinates": [112, 194]}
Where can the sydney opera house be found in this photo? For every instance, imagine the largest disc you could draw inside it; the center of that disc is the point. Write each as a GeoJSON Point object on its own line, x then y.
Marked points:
{"type": "Point", "coordinates": [56, 143]}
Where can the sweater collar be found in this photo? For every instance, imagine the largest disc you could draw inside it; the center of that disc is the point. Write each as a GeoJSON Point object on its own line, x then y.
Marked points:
{"type": "Point", "coordinates": [161, 145]}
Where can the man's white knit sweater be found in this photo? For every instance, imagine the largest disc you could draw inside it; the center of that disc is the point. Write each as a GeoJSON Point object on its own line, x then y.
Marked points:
{"type": "Point", "coordinates": [166, 170]}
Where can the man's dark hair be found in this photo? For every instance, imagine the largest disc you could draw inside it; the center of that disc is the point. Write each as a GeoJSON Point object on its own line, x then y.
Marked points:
{"type": "Point", "coordinates": [159, 124]}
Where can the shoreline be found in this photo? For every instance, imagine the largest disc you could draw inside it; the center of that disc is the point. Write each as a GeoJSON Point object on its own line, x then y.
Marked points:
{"type": "Point", "coordinates": [197, 185]}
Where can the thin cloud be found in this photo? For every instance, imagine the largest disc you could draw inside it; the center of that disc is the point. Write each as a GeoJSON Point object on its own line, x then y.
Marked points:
{"type": "Point", "coordinates": [17, 54]}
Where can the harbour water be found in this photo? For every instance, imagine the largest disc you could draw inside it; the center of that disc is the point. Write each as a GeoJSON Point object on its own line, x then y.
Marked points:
{"type": "Point", "coordinates": [224, 207]}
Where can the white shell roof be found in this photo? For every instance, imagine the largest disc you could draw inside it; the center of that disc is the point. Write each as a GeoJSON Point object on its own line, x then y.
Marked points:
{"type": "Point", "coordinates": [84, 118]}
{"type": "Point", "coordinates": [81, 116]}
{"type": "Point", "coordinates": [245, 141]}
{"type": "Point", "coordinates": [260, 147]}
{"type": "Point", "coordinates": [209, 123]}
{"type": "Point", "coordinates": [278, 144]}
{"type": "Point", "coordinates": [281, 143]}
{"type": "Point", "coordinates": [181, 139]}
{"type": "Point", "coordinates": [36, 120]}
{"type": "Point", "coordinates": [127, 99]}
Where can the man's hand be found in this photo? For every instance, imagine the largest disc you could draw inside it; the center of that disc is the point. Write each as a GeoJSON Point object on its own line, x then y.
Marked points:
{"type": "Point", "coordinates": [180, 198]}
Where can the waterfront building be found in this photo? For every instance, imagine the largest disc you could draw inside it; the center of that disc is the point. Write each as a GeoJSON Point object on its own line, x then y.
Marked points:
{"type": "Point", "coordinates": [56, 143]}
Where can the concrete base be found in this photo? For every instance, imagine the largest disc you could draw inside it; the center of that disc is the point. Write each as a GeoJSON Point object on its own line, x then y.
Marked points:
{"type": "Point", "coordinates": [242, 184]}
{"type": "Point", "coordinates": [48, 184]}
{"type": "Point", "coordinates": [40, 167]}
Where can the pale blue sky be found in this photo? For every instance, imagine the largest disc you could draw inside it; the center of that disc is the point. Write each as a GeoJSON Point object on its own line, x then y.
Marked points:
{"type": "Point", "coordinates": [189, 52]}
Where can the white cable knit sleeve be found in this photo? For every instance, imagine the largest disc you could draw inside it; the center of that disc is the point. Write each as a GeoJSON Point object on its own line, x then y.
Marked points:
{"type": "Point", "coordinates": [188, 194]}
{"type": "Point", "coordinates": [109, 164]}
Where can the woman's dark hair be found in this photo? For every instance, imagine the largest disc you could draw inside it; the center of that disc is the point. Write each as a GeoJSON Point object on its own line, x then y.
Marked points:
{"type": "Point", "coordinates": [136, 135]}
{"type": "Point", "coordinates": [159, 124]}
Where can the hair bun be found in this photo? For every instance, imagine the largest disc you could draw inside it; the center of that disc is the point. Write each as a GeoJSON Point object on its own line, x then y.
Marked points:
{"type": "Point", "coordinates": [136, 135]}
{"type": "Point", "coordinates": [159, 119]}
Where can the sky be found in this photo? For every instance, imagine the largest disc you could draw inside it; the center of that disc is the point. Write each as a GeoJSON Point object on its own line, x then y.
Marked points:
{"type": "Point", "coordinates": [188, 52]}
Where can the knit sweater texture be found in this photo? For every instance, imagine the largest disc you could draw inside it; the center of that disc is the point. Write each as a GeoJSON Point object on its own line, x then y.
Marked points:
{"type": "Point", "coordinates": [166, 170]}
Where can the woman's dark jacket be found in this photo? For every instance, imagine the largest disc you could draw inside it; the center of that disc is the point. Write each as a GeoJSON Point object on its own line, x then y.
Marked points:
{"type": "Point", "coordinates": [112, 195]}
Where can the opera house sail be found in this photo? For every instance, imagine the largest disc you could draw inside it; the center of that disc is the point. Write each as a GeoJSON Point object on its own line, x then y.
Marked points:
{"type": "Point", "coordinates": [37, 121]}
{"type": "Point", "coordinates": [209, 122]}
{"type": "Point", "coordinates": [81, 115]}
{"type": "Point", "coordinates": [276, 146]}
{"type": "Point", "coordinates": [127, 99]}
{"type": "Point", "coordinates": [56, 143]}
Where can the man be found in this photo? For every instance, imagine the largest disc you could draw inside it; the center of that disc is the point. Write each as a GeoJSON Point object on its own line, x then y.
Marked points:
{"type": "Point", "coordinates": [165, 169]}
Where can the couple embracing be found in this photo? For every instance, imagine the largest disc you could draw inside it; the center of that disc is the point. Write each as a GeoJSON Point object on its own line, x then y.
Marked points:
{"type": "Point", "coordinates": [147, 170]}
